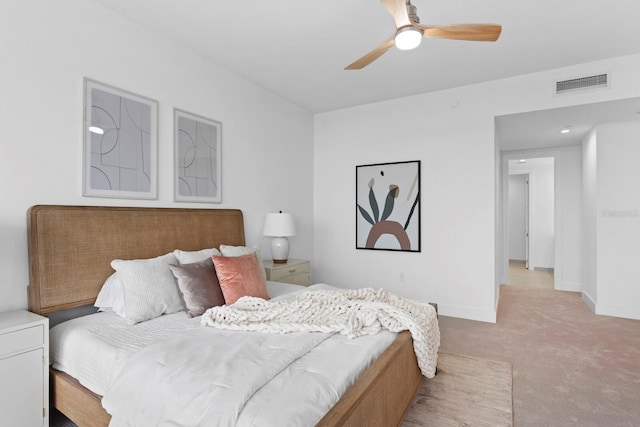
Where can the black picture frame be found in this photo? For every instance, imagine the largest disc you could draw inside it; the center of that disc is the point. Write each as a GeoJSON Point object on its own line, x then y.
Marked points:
{"type": "Point", "coordinates": [388, 206]}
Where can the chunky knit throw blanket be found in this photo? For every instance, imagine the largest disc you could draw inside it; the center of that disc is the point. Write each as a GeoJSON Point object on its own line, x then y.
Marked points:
{"type": "Point", "coordinates": [349, 312]}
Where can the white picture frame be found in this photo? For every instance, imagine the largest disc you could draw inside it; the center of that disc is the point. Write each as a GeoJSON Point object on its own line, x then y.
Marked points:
{"type": "Point", "coordinates": [120, 141]}
{"type": "Point", "coordinates": [198, 158]}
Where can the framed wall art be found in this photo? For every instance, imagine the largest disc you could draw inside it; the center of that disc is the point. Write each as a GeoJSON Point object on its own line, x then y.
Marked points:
{"type": "Point", "coordinates": [120, 143]}
{"type": "Point", "coordinates": [388, 206]}
{"type": "Point", "coordinates": [198, 173]}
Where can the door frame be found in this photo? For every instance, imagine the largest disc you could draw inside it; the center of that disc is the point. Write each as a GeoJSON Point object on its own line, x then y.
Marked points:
{"type": "Point", "coordinates": [505, 156]}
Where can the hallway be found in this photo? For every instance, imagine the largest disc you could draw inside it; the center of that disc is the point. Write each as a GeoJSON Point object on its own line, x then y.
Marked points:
{"type": "Point", "coordinates": [520, 276]}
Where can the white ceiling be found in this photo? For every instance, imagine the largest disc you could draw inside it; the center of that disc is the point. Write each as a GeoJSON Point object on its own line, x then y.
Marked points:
{"type": "Point", "coordinates": [298, 49]}
{"type": "Point", "coordinates": [539, 129]}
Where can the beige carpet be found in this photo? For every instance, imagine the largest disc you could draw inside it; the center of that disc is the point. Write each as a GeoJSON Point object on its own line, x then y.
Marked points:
{"type": "Point", "coordinates": [467, 391]}
{"type": "Point", "coordinates": [519, 275]}
{"type": "Point", "coordinates": [571, 367]}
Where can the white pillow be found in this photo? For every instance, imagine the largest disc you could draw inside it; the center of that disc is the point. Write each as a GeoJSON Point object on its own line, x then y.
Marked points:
{"type": "Point", "coordinates": [107, 293]}
{"type": "Point", "coordinates": [189, 257]}
{"type": "Point", "coordinates": [111, 296]}
{"type": "Point", "coordinates": [243, 250]}
{"type": "Point", "coordinates": [150, 289]}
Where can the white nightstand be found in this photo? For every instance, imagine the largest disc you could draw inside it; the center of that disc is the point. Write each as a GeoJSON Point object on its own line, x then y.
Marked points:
{"type": "Point", "coordinates": [24, 369]}
{"type": "Point", "coordinates": [296, 271]}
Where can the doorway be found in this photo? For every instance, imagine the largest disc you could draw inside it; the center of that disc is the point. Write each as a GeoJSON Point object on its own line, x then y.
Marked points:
{"type": "Point", "coordinates": [529, 197]}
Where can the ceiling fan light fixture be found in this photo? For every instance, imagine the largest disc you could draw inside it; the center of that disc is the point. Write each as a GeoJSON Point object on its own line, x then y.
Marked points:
{"type": "Point", "coordinates": [408, 38]}
{"type": "Point", "coordinates": [409, 32]}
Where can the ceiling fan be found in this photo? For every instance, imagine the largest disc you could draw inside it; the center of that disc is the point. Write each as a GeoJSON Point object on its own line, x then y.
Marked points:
{"type": "Point", "coordinates": [409, 32]}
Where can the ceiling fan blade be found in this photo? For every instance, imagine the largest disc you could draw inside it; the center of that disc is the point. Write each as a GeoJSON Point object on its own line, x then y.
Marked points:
{"type": "Point", "coordinates": [371, 56]}
{"type": "Point", "coordinates": [398, 10]}
{"type": "Point", "coordinates": [472, 32]}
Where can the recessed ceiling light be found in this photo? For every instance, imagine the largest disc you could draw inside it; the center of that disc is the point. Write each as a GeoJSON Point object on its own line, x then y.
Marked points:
{"type": "Point", "coordinates": [522, 161]}
{"type": "Point", "coordinates": [96, 130]}
{"type": "Point", "coordinates": [565, 129]}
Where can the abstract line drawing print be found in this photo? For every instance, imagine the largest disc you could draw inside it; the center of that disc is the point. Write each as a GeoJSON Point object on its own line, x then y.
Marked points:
{"type": "Point", "coordinates": [120, 143]}
{"type": "Point", "coordinates": [198, 160]}
{"type": "Point", "coordinates": [397, 227]}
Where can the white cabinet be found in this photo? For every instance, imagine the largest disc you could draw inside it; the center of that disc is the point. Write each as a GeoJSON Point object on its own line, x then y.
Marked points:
{"type": "Point", "coordinates": [24, 369]}
{"type": "Point", "coordinates": [296, 271]}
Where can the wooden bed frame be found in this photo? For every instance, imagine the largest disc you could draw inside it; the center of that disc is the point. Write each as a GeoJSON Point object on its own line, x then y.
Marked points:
{"type": "Point", "coordinates": [70, 250]}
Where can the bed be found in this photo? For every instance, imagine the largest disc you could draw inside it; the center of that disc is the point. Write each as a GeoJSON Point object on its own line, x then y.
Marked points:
{"type": "Point", "coordinates": [70, 250]}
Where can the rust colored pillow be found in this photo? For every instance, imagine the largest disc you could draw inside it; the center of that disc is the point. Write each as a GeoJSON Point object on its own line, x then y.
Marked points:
{"type": "Point", "coordinates": [239, 276]}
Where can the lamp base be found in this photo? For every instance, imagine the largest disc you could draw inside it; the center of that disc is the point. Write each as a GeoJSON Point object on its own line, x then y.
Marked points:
{"type": "Point", "coordinates": [280, 250]}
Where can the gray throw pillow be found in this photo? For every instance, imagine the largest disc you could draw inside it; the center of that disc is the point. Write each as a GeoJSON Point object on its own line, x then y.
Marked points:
{"type": "Point", "coordinates": [199, 286]}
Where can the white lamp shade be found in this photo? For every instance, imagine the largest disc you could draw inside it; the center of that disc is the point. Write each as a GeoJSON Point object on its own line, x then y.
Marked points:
{"type": "Point", "coordinates": [279, 225]}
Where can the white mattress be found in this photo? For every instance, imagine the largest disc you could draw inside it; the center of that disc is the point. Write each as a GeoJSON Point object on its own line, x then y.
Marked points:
{"type": "Point", "coordinates": [95, 348]}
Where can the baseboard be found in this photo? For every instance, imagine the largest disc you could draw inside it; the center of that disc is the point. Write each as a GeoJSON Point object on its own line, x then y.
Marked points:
{"type": "Point", "coordinates": [618, 311]}
{"type": "Point", "coordinates": [543, 269]}
{"type": "Point", "coordinates": [586, 298]}
{"type": "Point", "coordinates": [611, 310]}
{"type": "Point", "coordinates": [568, 286]}
{"type": "Point", "coordinates": [469, 313]}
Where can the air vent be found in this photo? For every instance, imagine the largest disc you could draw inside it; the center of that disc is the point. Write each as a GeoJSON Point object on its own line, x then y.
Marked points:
{"type": "Point", "coordinates": [590, 82]}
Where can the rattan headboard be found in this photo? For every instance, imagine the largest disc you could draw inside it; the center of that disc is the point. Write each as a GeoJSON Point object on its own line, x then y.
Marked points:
{"type": "Point", "coordinates": [71, 247]}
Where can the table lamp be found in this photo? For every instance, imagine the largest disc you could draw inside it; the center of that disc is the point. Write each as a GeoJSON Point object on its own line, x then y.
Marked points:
{"type": "Point", "coordinates": [279, 226]}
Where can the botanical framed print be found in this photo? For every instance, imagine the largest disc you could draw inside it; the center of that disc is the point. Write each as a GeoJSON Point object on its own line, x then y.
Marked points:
{"type": "Point", "coordinates": [120, 143]}
{"type": "Point", "coordinates": [197, 143]}
{"type": "Point", "coordinates": [388, 206]}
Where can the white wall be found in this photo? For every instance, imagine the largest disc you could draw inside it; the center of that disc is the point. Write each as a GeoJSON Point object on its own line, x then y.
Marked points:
{"type": "Point", "coordinates": [457, 266]}
{"type": "Point", "coordinates": [48, 47]}
{"type": "Point", "coordinates": [543, 238]}
{"type": "Point", "coordinates": [618, 220]}
{"type": "Point", "coordinates": [570, 276]}
{"type": "Point", "coordinates": [517, 216]}
{"type": "Point", "coordinates": [589, 220]}
{"type": "Point", "coordinates": [457, 244]}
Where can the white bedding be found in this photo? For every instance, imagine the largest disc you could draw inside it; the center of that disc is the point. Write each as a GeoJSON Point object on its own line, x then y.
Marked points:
{"type": "Point", "coordinates": [202, 377]}
{"type": "Point", "coordinates": [353, 313]}
{"type": "Point", "coordinates": [94, 349]}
